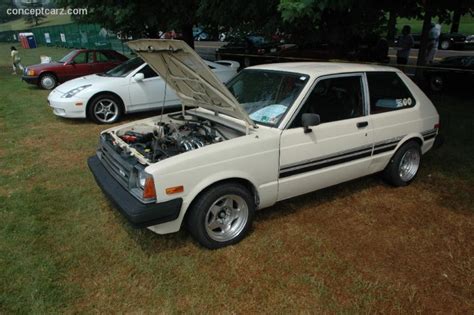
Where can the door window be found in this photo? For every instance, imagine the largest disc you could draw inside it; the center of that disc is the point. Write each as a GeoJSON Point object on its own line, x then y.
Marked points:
{"type": "Point", "coordinates": [81, 58]}
{"type": "Point", "coordinates": [334, 99]}
{"type": "Point", "coordinates": [388, 92]}
{"type": "Point", "coordinates": [148, 72]}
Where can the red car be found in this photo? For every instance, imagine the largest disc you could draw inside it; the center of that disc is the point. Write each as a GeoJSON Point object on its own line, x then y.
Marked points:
{"type": "Point", "coordinates": [77, 63]}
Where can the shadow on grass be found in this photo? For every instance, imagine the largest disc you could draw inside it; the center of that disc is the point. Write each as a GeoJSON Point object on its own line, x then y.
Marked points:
{"type": "Point", "coordinates": [317, 198]}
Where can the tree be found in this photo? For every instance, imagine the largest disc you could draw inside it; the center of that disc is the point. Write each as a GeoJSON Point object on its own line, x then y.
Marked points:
{"type": "Point", "coordinates": [4, 6]}
{"type": "Point", "coordinates": [344, 24]}
{"type": "Point", "coordinates": [34, 17]}
{"type": "Point", "coordinates": [145, 18]}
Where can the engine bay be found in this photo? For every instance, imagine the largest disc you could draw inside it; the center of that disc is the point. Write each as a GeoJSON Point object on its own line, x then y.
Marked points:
{"type": "Point", "coordinates": [174, 135]}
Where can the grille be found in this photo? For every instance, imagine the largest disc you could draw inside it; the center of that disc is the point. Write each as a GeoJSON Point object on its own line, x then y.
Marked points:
{"type": "Point", "coordinates": [121, 168]}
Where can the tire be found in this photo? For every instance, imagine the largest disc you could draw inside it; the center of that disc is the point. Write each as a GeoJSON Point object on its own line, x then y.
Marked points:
{"type": "Point", "coordinates": [221, 216]}
{"type": "Point", "coordinates": [445, 44]}
{"type": "Point", "coordinates": [105, 109]}
{"type": "Point", "coordinates": [437, 82]}
{"type": "Point", "coordinates": [48, 81]}
{"type": "Point", "coordinates": [404, 165]}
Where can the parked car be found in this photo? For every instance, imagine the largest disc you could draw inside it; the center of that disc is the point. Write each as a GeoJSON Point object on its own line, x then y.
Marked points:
{"type": "Point", "coordinates": [448, 41]}
{"type": "Point", "coordinates": [456, 71]}
{"type": "Point", "coordinates": [259, 49]}
{"type": "Point", "coordinates": [77, 63]}
{"type": "Point", "coordinates": [130, 87]}
{"type": "Point", "coordinates": [275, 132]}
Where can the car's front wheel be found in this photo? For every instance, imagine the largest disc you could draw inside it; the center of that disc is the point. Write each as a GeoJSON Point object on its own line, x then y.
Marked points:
{"type": "Point", "coordinates": [221, 216]}
{"type": "Point", "coordinates": [105, 109]}
{"type": "Point", "coordinates": [404, 164]}
{"type": "Point", "coordinates": [48, 81]}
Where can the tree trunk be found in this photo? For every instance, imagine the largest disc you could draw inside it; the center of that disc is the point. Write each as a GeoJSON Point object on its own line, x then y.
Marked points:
{"type": "Point", "coordinates": [391, 24]}
{"type": "Point", "coordinates": [422, 52]}
{"type": "Point", "coordinates": [456, 20]}
{"type": "Point", "coordinates": [188, 34]}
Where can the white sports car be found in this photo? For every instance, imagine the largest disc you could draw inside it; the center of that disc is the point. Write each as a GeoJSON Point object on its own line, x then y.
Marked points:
{"type": "Point", "coordinates": [131, 87]}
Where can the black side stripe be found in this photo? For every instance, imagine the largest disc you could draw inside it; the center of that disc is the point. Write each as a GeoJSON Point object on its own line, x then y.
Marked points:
{"type": "Point", "coordinates": [378, 148]}
{"type": "Point", "coordinates": [335, 157]}
{"type": "Point", "coordinates": [325, 164]}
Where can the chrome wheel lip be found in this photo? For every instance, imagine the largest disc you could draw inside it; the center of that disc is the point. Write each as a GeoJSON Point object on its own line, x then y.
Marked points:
{"type": "Point", "coordinates": [445, 44]}
{"type": "Point", "coordinates": [106, 110]}
{"type": "Point", "coordinates": [409, 165]}
{"type": "Point", "coordinates": [47, 82]}
{"type": "Point", "coordinates": [437, 83]}
{"type": "Point", "coordinates": [226, 218]}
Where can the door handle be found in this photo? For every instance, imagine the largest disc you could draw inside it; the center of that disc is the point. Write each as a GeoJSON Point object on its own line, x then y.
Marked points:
{"type": "Point", "coordinates": [362, 124]}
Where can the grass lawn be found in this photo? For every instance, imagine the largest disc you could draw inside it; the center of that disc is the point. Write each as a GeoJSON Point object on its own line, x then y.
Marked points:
{"type": "Point", "coordinates": [50, 20]}
{"type": "Point", "coordinates": [359, 247]}
{"type": "Point", "coordinates": [466, 26]}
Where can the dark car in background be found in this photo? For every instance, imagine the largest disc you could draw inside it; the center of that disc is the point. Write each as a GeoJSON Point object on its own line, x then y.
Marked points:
{"type": "Point", "coordinates": [77, 63]}
{"type": "Point", "coordinates": [455, 71]}
{"type": "Point", "coordinates": [448, 41]}
{"type": "Point", "coordinates": [249, 50]}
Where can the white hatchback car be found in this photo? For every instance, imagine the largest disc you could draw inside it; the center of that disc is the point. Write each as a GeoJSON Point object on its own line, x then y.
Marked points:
{"type": "Point", "coordinates": [277, 131]}
{"type": "Point", "coordinates": [130, 87]}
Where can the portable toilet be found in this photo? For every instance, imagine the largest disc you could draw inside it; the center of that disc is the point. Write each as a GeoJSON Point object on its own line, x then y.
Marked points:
{"type": "Point", "coordinates": [31, 41]}
{"type": "Point", "coordinates": [23, 40]}
{"type": "Point", "coordinates": [27, 40]}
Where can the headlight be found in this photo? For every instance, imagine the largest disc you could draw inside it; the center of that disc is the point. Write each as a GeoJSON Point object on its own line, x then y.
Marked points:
{"type": "Point", "coordinates": [30, 72]}
{"type": "Point", "coordinates": [142, 176]}
{"type": "Point", "coordinates": [146, 183]}
{"type": "Point", "coordinates": [73, 92]}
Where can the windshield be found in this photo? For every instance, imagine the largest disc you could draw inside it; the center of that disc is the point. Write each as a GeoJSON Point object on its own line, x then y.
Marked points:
{"type": "Point", "coordinates": [67, 57]}
{"type": "Point", "coordinates": [125, 68]}
{"type": "Point", "coordinates": [267, 95]}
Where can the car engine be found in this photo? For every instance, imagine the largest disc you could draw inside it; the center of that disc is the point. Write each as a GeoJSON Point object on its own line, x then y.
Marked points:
{"type": "Point", "coordinates": [165, 139]}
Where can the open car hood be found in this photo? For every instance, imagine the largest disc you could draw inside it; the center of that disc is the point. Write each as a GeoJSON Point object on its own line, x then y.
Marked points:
{"type": "Point", "coordinates": [184, 71]}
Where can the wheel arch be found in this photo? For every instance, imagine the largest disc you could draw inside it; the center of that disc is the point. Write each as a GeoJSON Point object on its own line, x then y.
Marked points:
{"type": "Point", "coordinates": [239, 180]}
{"type": "Point", "coordinates": [89, 102]}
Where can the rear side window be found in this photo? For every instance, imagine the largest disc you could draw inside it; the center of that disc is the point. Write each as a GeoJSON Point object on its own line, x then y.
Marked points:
{"type": "Point", "coordinates": [388, 92]}
{"type": "Point", "coordinates": [101, 57]}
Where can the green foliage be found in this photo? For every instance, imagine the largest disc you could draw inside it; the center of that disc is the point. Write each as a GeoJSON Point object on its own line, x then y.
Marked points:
{"type": "Point", "coordinates": [4, 6]}
{"type": "Point", "coordinates": [34, 18]}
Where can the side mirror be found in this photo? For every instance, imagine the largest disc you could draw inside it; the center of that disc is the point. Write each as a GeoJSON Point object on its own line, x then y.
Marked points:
{"type": "Point", "coordinates": [139, 77]}
{"type": "Point", "coordinates": [309, 120]}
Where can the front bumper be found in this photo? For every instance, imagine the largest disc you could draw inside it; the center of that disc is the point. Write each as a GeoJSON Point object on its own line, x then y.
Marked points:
{"type": "Point", "coordinates": [30, 79]}
{"type": "Point", "coordinates": [138, 214]}
{"type": "Point", "coordinates": [72, 107]}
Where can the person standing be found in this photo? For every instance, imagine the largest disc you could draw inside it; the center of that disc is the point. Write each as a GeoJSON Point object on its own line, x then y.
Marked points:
{"type": "Point", "coordinates": [16, 60]}
{"type": "Point", "coordinates": [433, 42]}
{"type": "Point", "coordinates": [405, 43]}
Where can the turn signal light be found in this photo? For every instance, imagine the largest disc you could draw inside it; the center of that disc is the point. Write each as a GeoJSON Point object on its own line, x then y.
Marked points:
{"type": "Point", "coordinates": [174, 190]}
{"type": "Point", "coordinates": [149, 189]}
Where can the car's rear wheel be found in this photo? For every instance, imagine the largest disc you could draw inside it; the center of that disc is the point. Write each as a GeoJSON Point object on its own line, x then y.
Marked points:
{"type": "Point", "coordinates": [48, 81]}
{"type": "Point", "coordinates": [221, 216]}
{"type": "Point", "coordinates": [105, 109]}
{"type": "Point", "coordinates": [437, 82]}
{"type": "Point", "coordinates": [404, 165]}
{"type": "Point", "coordinates": [445, 44]}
